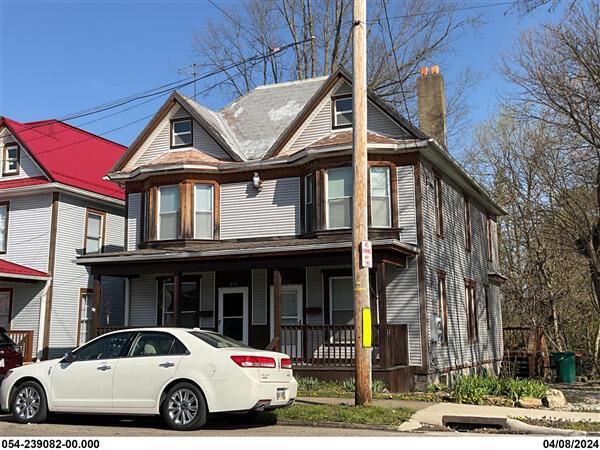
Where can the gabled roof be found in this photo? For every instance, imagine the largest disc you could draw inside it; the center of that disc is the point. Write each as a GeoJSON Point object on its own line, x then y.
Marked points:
{"type": "Point", "coordinates": [69, 155]}
{"type": "Point", "coordinates": [21, 182]}
{"type": "Point", "coordinates": [12, 270]}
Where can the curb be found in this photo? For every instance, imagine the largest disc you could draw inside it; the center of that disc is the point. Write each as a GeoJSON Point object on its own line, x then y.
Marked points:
{"type": "Point", "coordinates": [517, 425]}
{"type": "Point", "coordinates": [354, 426]}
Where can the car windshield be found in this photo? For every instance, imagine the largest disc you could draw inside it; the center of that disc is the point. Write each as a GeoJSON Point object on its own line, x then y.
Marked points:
{"type": "Point", "coordinates": [218, 340]}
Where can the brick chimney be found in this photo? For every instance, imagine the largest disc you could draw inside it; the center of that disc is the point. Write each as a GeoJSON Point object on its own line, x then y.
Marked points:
{"type": "Point", "coordinates": [432, 104]}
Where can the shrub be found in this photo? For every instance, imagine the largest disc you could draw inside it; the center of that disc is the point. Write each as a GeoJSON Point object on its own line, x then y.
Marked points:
{"type": "Point", "coordinates": [473, 389]}
{"type": "Point", "coordinates": [308, 384]}
{"type": "Point", "coordinates": [434, 388]}
{"type": "Point", "coordinates": [378, 386]}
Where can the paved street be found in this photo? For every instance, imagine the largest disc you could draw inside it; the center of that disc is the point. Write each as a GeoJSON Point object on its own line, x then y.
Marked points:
{"type": "Point", "coordinates": [81, 425]}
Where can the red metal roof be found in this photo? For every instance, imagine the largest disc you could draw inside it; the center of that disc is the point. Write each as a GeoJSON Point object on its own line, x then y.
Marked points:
{"type": "Point", "coordinates": [23, 182]}
{"type": "Point", "coordinates": [70, 155]}
{"type": "Point", "coordinates": [17, 270]}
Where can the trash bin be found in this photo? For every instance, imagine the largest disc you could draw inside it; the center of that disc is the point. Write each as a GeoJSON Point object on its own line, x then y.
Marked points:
{"type": "Point", "coordinates": [565, 366]}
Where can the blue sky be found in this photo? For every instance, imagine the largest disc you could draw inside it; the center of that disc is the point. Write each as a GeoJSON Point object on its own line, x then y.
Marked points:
{"type": "Point", "coordinates": [59, 57]}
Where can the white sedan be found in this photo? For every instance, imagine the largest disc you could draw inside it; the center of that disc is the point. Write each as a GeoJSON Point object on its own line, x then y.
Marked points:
{"type": "Point", "coordinates": [181, 374]}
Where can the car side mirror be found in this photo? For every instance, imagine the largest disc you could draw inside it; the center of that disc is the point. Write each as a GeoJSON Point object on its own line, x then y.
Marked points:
{"type": "Point", "coordinates": [69, 357]}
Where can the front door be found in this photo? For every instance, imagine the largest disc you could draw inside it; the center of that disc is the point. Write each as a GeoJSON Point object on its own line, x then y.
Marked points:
{"type": "Point", "coordinates": [233, 313]}
{"type": "Point", "coordinates": [291, 314]}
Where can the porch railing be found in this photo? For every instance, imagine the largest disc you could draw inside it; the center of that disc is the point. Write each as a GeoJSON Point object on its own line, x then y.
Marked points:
{"type": "Point", "coordinates": [24, 340]}
{"type": "Point", "coordinates": [333, 345]}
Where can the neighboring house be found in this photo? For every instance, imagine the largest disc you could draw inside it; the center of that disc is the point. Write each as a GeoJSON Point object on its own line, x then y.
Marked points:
{"type": "Point", "coordinates": [55, 206]}
{"type": "Point", "coordinates": [239, 221]}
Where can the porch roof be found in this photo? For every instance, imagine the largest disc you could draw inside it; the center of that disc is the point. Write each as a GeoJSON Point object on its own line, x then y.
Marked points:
{"type": "Point", "coordinates": [242, 249]}
{"type": "Point", "coordinates": [19, 272]}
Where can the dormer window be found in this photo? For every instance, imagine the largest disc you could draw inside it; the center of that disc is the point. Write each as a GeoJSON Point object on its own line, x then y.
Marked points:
{"type": "Point", "coordinates": [342, 112]}
{"type": "Point", "coordinates": [181, 133]}
{"type": "Point", "coordinates": [10, 163]}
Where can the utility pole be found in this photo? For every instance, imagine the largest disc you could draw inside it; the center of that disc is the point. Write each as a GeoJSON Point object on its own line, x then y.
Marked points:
{"type": "Point", "coordinates": [360, 230]}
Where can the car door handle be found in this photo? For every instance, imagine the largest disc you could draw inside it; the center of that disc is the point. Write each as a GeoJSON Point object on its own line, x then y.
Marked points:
{"type": "Point", "coordinates": [166, 365]}
{"type": "Point", "coordinates": [103, 367]}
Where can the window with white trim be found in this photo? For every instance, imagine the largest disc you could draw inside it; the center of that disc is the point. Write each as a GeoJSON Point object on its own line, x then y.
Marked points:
{"type": "Point", "coordinates": [342, 112]}
{"type": "Point", "coordinates": [181, 133]}
{"type": "Point", "coordinates": [10, 165]}
{"type": "Point", "coordinates": [168, 212]}
{"type": "Point", "coordinates": [341, 299]}
{"type": "Point", "coordinates": [3, 227]}
{"type": "Point", "coordinates": [380, 197]}
{"type": "Point", "coordinates": [94, 233]}
{"type": "Point", "coordinates": [203, 211]}
{"type": "Point", "coordinates": [339, 197]}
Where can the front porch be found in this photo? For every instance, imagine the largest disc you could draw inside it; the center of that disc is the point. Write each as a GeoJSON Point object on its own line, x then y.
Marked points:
{"type": "Point", "coordinates": [299, 304]}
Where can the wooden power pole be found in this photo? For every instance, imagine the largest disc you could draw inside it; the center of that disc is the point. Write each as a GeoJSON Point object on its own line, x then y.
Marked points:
{"type": "Point", "coordinates": [360, 226]}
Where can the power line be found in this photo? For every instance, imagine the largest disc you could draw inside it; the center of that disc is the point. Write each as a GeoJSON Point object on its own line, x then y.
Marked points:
{"type": "Point", "coordinates": [389, 28]}
{"type": "Point", "coordinates": [233, 19]}
{"type": "Point", "coordinates": [172, 86]}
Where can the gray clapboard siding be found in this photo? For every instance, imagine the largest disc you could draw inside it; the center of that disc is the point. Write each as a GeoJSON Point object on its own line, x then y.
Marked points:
{"type": "Point", "coordinates": [449, 254]}
{"type": "Point", "coordinates": [272, 211]}
{"type": "Point", "coordinates": [26, 307]}
{"type": "Point", "coordinates": [319, 124]}
{"type": "Point", "coordinates": [69, 277]}
{"type": "Point", "coordinates": [407, 211]}
{"type": "Point", "coordinates": [259, 297]}
{"type": "Point", "coordinates": [143, 302]}
{"type": "Point", "coordinates": [159, 141]}
{"type": "Point", "coordinates": [402, 295]}
{"type": "Point", "coordinates": [29, 222]}
{"type": "Point", "coordinates": [207, 299]}
{"type": "Point", "coordinates": [134, 220]}
{"type": "Point", "coordinates": [28, 168]}
{"type": "Point", "coordinates": [314, 294]}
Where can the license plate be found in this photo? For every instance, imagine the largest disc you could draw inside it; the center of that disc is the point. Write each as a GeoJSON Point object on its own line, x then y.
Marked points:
{"type": "Point", "coordinates": [282, 394]}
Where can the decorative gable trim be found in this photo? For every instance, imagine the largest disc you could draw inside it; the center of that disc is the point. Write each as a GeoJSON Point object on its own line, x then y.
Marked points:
{"type": "Point", "coordinates": [174, 99]}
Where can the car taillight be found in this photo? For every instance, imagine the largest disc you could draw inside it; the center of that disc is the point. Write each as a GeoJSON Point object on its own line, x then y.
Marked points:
{"type": "Point", "coordinates": [286, 363]}
{"type": "Point", "coordinates": [254, 361]}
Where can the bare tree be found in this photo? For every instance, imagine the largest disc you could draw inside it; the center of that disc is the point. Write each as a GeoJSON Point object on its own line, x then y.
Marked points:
{"type": "Point", "coordinates": [402, 36]}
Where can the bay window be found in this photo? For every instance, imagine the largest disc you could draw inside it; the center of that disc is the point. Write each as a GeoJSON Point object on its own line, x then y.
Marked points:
{"type": "Point", "coordinates": [203, 211]}
{"type": "Point", "coordinates": [380, 197]}
{"type": "Point", "coordinates": [168, 212]}
{"type": "Point", "coordinates": [339, 197]}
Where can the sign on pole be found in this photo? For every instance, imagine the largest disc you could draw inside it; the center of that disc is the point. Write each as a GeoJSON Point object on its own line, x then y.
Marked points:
{"type": "Point", "coordinates": [366, 255]}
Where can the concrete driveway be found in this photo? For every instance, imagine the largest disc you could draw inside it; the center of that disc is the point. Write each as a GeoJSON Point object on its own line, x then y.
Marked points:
{"type": "Point", "coordinates": [83, 425]}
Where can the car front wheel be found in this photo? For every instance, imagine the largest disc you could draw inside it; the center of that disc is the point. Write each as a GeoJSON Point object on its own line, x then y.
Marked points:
{"type": "Point", "coordinates": [29, 403]}
{"type": "Point", "coordinates": [184, 407]}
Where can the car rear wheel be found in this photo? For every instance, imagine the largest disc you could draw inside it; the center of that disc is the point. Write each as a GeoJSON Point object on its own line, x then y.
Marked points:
{"type": "Point", "coordinates": [184, 407]}
{"type": "Point", "coordinates": [29, 403]}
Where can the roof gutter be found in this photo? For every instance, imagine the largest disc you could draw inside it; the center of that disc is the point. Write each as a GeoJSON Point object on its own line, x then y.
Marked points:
{"type": "Point", "coordinates": [24, 277]}
{"type": "Point", "coordinates": [55, 186]}
{"type": "Point", "coordinates": [237, 252]}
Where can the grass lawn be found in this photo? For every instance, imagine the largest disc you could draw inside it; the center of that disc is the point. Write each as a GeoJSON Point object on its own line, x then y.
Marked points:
{"type": "Point", "coordinates": [582, 425]}
{"type": "Point", "coordinates": [365, 415]}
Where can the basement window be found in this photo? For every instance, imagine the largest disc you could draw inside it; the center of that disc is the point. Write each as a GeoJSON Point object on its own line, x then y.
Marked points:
{"type": "Point", "coordinates": [342, 112]}
{"type": "Point", "coordinates": [181, 133]}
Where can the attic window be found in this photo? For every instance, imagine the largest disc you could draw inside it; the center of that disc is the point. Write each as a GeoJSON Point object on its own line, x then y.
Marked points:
{"type": "Point", "coordinates": [10, 164]}
{"type": "Point", "coordinates": [181, 133]}
{"type": "Point", "coordinates": [342, 112]}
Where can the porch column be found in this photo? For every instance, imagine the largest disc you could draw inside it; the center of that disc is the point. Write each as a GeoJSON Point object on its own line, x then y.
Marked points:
{"type": "Point", "coordinates": [177, 300]}
{"type": "Point", "coordinates": [96, 304]}
{"type": "Point", "coordinates": [383, 341]}
{"type": "Point", "coordinates": [277, 308]}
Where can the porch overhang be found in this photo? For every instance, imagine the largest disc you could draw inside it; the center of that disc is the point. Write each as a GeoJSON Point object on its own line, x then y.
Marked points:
{"type": "Point", "coordinates": [13, 272]}
{"type": "Point", "coordinates": [225, 255]}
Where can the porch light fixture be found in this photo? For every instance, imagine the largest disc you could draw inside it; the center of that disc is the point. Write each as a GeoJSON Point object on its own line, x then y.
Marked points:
{"type": "Point", "coordinates": [256, 181]}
